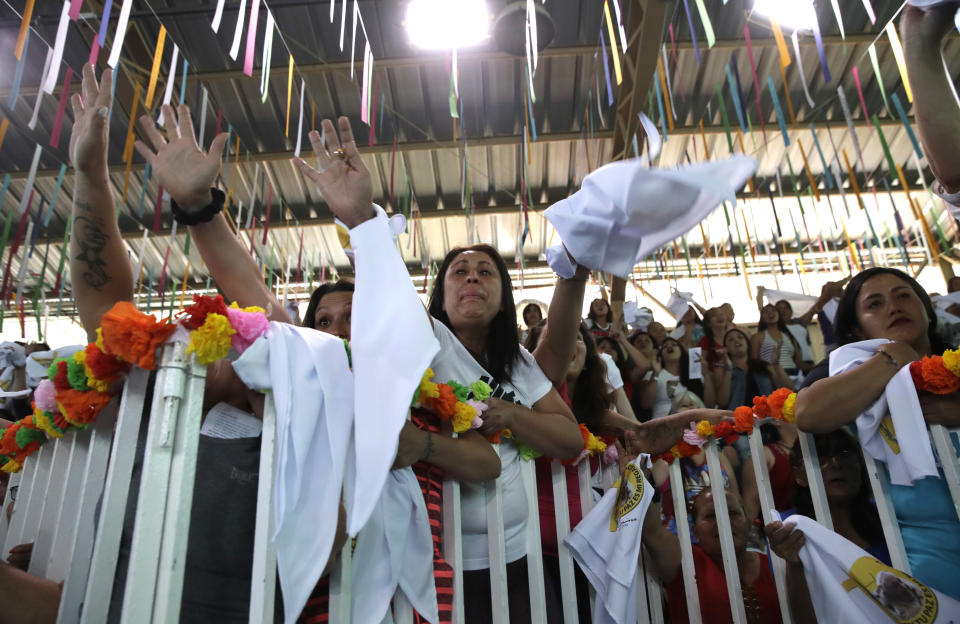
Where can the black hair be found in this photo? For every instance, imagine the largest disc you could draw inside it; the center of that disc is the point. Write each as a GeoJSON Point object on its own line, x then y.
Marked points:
{"type": "Point", "coordinates": [693, 385]}
{"type": "Point", "coordinates": [608, 318]}
{"type": "Point", "coordinates": [787, 303]}
{"type": "Point", "coordinates": [502, 349]}
{"type": "Point", "coordinates": [621, 358]}
{"type": "Point", "coordinates": [753, 365]}
{"type": "Point", "coordinates": [341, 285]}
{"type": "Point", "coordinates": [531, 306]}
{"type": "Point", "coordinates": [590, 399]}
{"type": "Point", "coordinates": [705, 323]}
{"type": "Point", "coordinates": [781, 325]}
{"type": "Point", "coordinates": [866, 520]}
{"type": "Point", "coordinates": [846, 323]}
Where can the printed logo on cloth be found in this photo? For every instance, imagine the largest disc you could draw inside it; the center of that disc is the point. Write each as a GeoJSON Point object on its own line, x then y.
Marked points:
{"type": "Point", "coordinates": [629, 495]}
{"type": "Point", "coordinates": [889, 434]}
{"type": "Point", "coordinates": [904, 599]}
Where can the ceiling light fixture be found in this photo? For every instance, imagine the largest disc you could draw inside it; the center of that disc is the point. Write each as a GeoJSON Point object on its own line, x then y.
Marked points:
{"type": "Point", "coordinates": [789, 15]}
{"type": "Point", "coordinates": [447, 24]}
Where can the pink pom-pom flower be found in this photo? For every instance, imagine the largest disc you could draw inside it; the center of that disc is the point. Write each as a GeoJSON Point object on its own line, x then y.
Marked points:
{"type": "Point", "coordinates": [249, 326]}
{"type": "Point", "coordinates": [480, 407]}
{"type": "Point", "coordinates": [45, 396]}
{"type": "Point", "coordinates": [610, 455]}
{"type": "Point", "coordinates": [690, 436]}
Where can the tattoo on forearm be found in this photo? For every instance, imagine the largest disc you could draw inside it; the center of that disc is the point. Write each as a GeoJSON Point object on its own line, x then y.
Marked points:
{"type": "Point", "coordinates": [91, 240]}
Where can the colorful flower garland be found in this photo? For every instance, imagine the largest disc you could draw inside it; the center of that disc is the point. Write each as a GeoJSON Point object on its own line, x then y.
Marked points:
{"type": "Point", "coordinates": [79, 387]}
{"type": "Point", "coordinates": [779, 405]}
{"type": "Point", "coordinates": [939, 374]}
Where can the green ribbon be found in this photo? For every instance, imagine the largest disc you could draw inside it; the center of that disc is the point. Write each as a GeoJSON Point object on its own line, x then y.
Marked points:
{"type": "Point", "coordinates": [723, 115]}
{"type": "Point", "coordinates": [872, 50]}
{"type": "Point", "coordinates": [891, 167]}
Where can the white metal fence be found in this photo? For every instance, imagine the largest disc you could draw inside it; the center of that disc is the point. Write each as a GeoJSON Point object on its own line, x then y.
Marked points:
{"type": "Point", "coordinates": [62, 485]}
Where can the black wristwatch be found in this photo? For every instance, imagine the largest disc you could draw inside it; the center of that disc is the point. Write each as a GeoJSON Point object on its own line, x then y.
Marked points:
{"type": "Point", "coordinates": [205, 215]}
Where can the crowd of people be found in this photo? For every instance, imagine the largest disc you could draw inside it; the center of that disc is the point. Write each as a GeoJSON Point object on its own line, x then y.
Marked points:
{"type": "Point", "coordinates": [639, 384]}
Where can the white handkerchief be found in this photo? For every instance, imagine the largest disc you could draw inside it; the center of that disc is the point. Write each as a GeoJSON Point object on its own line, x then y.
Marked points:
{"type": "Point", "coordinates": [798, 301]}
{"type": "Point", "coordinates": [678, 303]}
{"type": "Point", "coordinates": [395, 553]}
{"type": "Point", "coordinates": [606, 545]}
{"type": "Point", "coordinates": [39, 361]}
{"type": "Point", "coordinates": [637, 317]}
{"type": "Point", "coordinates": [624, 211]}
{"type": "Point", "coordinates": [312, 391]}
{"type": "Point", "coordinates": [848, 585]}
{"type": "Point", "coordinates": [892, 430]}
{"type": "Point", "coordinates": [392, 347]}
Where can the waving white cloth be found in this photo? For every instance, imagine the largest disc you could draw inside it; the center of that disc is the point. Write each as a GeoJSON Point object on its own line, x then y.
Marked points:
{"type": "Point", "coordinates": [892, 430]}
{"type": "Point", "coordinates": [391, 347]}
{"type": "Point", "coordinates": [637, 317]}
{"type": "Point", "coordinates": [395, 553]}
{"type": "Point", "coordinates": [312, 390]}
{"type": "Point", "coordinates": [623, 211]}
{"type": "Point", "coordinates": [606, 545]}
{"type": "Point", "coordinates": [848, 585]}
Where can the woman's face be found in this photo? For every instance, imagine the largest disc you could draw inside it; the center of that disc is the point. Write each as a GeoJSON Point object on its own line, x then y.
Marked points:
{"type": "Point", "coordinates": [784, 310]}
{"type": "Point", "coordinates": [840, 468]}
{"type": "Point", "coordinates": [888, 308]}
{"type": "Point", "coordinates": [608, 347]}
{"type": "Point", "coordinates": [717, 320]}
{"type": "Point", "coordinates": [727, 310]}
{"type": "Point", "coordinates": [657, 332]}
{"type": "Point", "coordinates": [332, 315]}
{"type": "Point", "coordinates": [579, 358]}
{"type": "Point", "coordinates": [736, 344]}
{"type": "Point", "coordinates": [670, 351]}
{"type": "Point", "coordinates": [644, 344]}
{"type": "Point", "coordinates": [769, 315]}
{"type": "Point", "coordinates": [599, 308]}
{"type": "Point", "coordinates": [706, 529]}
{"type": "Point", "coordinates": [472, 294]}
{"type": "Point", "coordinates": [531, 316]}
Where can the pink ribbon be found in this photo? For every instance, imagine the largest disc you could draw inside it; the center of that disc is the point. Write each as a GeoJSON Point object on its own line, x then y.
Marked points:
{"type": "Point", "coordinates": [61, 108]}
{"type": "Point", "coordinates": [251, 38]}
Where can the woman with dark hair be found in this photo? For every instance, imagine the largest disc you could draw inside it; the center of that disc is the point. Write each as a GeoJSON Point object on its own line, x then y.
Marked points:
{"type": "Point", "coordinates": [711, 344]}
{"type": "Point", "coordinates": [742, 377]}
{"type": "Point", "coordinates": [599, 318]}
{"type": "Point", "coordinates": [476, 326]}
{"type": "Point", "coordinates": [884, 303]}
{"type": "Point", "coordinates": [773, 342]}
{"type": "Point", "coordinates": [671, 376]}
{"type": "Point", "coordinates": [329, 308]}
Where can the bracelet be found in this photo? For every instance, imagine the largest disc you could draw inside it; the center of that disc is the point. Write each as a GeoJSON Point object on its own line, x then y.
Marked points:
{"type": "Point", "coordinates": [205, 215]}
{"type": "Point", "coordinates": [428, 450]}
{"type": "Point", "coordinates": [890, 358]}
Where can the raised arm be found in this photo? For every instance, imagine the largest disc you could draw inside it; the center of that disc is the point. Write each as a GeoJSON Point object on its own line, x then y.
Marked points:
{"type": "Point", "coordinates": [187, 173]}
{"type": "Point", "coordinates": [935, 101]}
{"type": "Point", "coordinates": [555, 349]}
{"type": "Point", "coordinates": [99, 269]}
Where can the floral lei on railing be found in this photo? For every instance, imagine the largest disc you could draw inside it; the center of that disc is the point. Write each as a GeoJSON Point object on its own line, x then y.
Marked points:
{"type": "Point", "coordinates": [463, 405]}
{"type": "Point", "coordinates": [79, 387]}
{"type": "Point", "coordinates": [779, 405]}
{"type": "Point", "coordinates": [939, 374]}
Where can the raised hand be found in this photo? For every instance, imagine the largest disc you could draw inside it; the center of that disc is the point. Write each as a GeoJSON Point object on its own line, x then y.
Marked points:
{"type": "Point", "coordinates": [179, 165]}
{"type": "Point", "coordinates": [341, 178]}
{"type": "Point", "coordinates": [88, 139]}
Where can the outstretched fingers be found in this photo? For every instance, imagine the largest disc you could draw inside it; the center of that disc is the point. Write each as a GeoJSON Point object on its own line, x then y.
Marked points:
{"type": "Point", "coordinates": [146, 152]}
{"type": "Point", "coordinates": [186, 122]}
{"type": "Point", "coordinates": [89, 84]}
{"type": "Point", "coordinates": [106, 88]}
{"type": "Point", "coordinates": [217, 145]}
{"type": "Point", "coordinates": [346, 137]}
{"type": "Point", "coordinates": [148, 127]}
{"type": "Point", "coordinates": [170, 122]}
{"type": "Point", "coordinates": [76, 103]}
{"type": "Point", "coordinates": [309, 172]}
{"type": "Point", "coordinates": [319, 149]}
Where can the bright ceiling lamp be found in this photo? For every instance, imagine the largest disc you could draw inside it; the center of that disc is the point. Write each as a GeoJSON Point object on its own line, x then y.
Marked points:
{"type": "Point", "coordinates": [447, 24]}
{"type": "Point", "coordinates": [788, 14]}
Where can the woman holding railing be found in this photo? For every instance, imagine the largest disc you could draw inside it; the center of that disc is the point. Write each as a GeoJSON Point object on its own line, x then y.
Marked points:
{"type": "Point", "coordinates": [884, 303]}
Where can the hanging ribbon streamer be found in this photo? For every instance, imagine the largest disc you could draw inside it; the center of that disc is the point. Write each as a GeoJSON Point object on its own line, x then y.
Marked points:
{"type": "Point", "coordinates": [806, 167]}
{"type": "Point", "coordinates": [872, 51]}
{"type": "Point", "coordinates": [251, 44]}
{"type": "Point", "coordinates": [623, 33]}
{"type": "Point", "coordinates": [724, 117]}
{"type": "Point", "coordinates": [531, 34]}
{"type": "Point", "coordinates": [853, 180]}
{"type": "Point", "coordinates": [238, 30]}
{"type": "Point", "coordinates": [56, 194]}
{"type": "Point", "coordinates": [823, 161]}
{"type": "Point", "coordinates": [155, 71]}
{"type": "Point", "coordinates": [24, 30]}
{"type": "Point", "coordinates": [670, 105]}
{"type": "Point", "coordinates": [50, 80]}
{"type": "Point", "coordinates": [3, 130]}
{"type": "Point", "coordinates": [286, 129]}
{"type": "Point", "coordinates": [119, 34]}
{"type": "Point", "coordinates": [673, 46]}
{"type": "Point", "coordinates": [660, 108]}
{"type": "Point", "coordinates": [891, 167]}
{"type": "Point", "coordinates": [613, 43]}
{"type": "Point", "coordinates": [61, 109]}
{"type": "Point", "coordinates": [663, 85]}
{"type": "Point", "coordinates": [31, 176]}
{"type": "Point", "coordinates": [372, 102]}
{"type": "Point", "coordinates": [128, 144]}
{"type": "Point", "coordinates": [906, 124]}
{"type": "Point", "coordinates": [898, 55]}
{"type": "Point", "coordinates": [849, 119]}
{"type": "Point", "coordinates": [781, 44]}
{"type": "Point", "coordinates": [606, 69]}
{"type": "Point", "coordinates": [693, 32]}
{"type": "Point", "coordinates": [171, 75]}
{"type": "Point", "coordinates": [217, 16]}
{"type": "Point", "coordinates": [707, 26]}
{"type": "Point", "coordinates": [266, 221]}
{"type": "Point", "coordinates": [776, 106]}
{"type": "Point", "coordinates": [143, 190]}
{"type": "Point", "coordinates": [365, 89]}
{"type": "Point", "coordinates": [786, 95]}
{"type": "Point", "coordinates": [94, 52]}
{"type": "Point", "coordinates": [803, 77]}
{"type": "Point", "coordinates": [267, 58]}
{"type": "Point", "coordinates": [818, 37]}
{"type": "Point", "coordinates": [863, 103]}
{"type": "Point", "coordinates": [303, 88]}
{"type": "Point", "coordinates": [183, 80]}
{"type": "Point", "coordinates": [353, 39]}
{"type": "Point", "coordinates": [869, 8]}
{"type": "Point", "coordinates": [32, 124]}
{"type": "Point", "coordinates": [18, 75]}
{"type": "Point", "coordinates": [756, 83]}
{"type": "Point", "coordinates": [343, 20]}
{"type": "Point", "coordinates": [157, 208]}
{"type": "Point", "coordinates": [736, 100]}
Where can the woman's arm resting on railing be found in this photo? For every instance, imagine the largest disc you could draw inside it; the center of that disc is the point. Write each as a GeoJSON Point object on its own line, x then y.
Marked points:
{"type": "Point", "coordinates": [833, 402]}
{"type": "Point", "coordinates": [187, 173]}
{"type": "Point", "coordinates": [25, 598]}
{"type": "Point", "coordinates": [555, 349]}
{"type": "Point", "coordinates": [549, 427]}
{"type": "Point", "coordinates": [658, 435]}
{"type": "Point", "coordinates": [99, 269]}
{"type": "Point", "coordinates": [466, 458]}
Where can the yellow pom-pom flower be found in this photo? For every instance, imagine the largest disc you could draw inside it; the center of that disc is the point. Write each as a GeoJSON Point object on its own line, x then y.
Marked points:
{"type": "Point", "coordinates": [951, 360]}
{"type": "Point", "coordinates": [595, 445]}
{"type": "Point", "coordinates": [99, 341]}
{"type": "Point", "coordinates": [11, 466]}
{"type": "Point", "coordinates": [789, 406]}
{"type": "Point", "coordinates": [463, 415]}
{"type": "Point", "coordinates": [80, 357]}
{"type": "Point", "coordinates": [704, 429]}
{"type": "Point", "coordinates": [45, 423]}
{"type": "Point", "coordinates": [246, 309]}
{"type": "Point", "coordinates": [211, 341]}
{"type": "Point", "coordinates": [428, 389]}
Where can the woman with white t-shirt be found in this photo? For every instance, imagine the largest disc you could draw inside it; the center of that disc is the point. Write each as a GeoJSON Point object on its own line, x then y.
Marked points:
{"type": "Point", "coordinates": [475, 323]}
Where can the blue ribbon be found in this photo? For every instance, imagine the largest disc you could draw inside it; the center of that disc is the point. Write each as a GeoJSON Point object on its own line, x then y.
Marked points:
{"type": "Point", "coordinates": [693, 31]}
{"type": "Point", "coordinates": [820, 50]}
{"type": "Point", "coordinates": [776, 105]}
{"type": "Point", "coordinates": [906, 124]}
{"type": "Point", "coordinates": [18, 74]}
{"type": "Point", "coordinates": [143, 189]}
{"type": "Point", "coordinates": [823, 161]}
{"type": "Point", "coordinates": [3, 189]}
{"type": "Point", "coordinates": [56, 193]}
{"type": "Point", "coordinates": [663, 116]}
{"type": "Point", "coordinates": [606, 68]}
{"type": "Point", "coordinates": [183, 82]}
{"type": "Point", "coordinates": [736, 99]}
{"type": "Point", "coordinates": [104, 22]}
